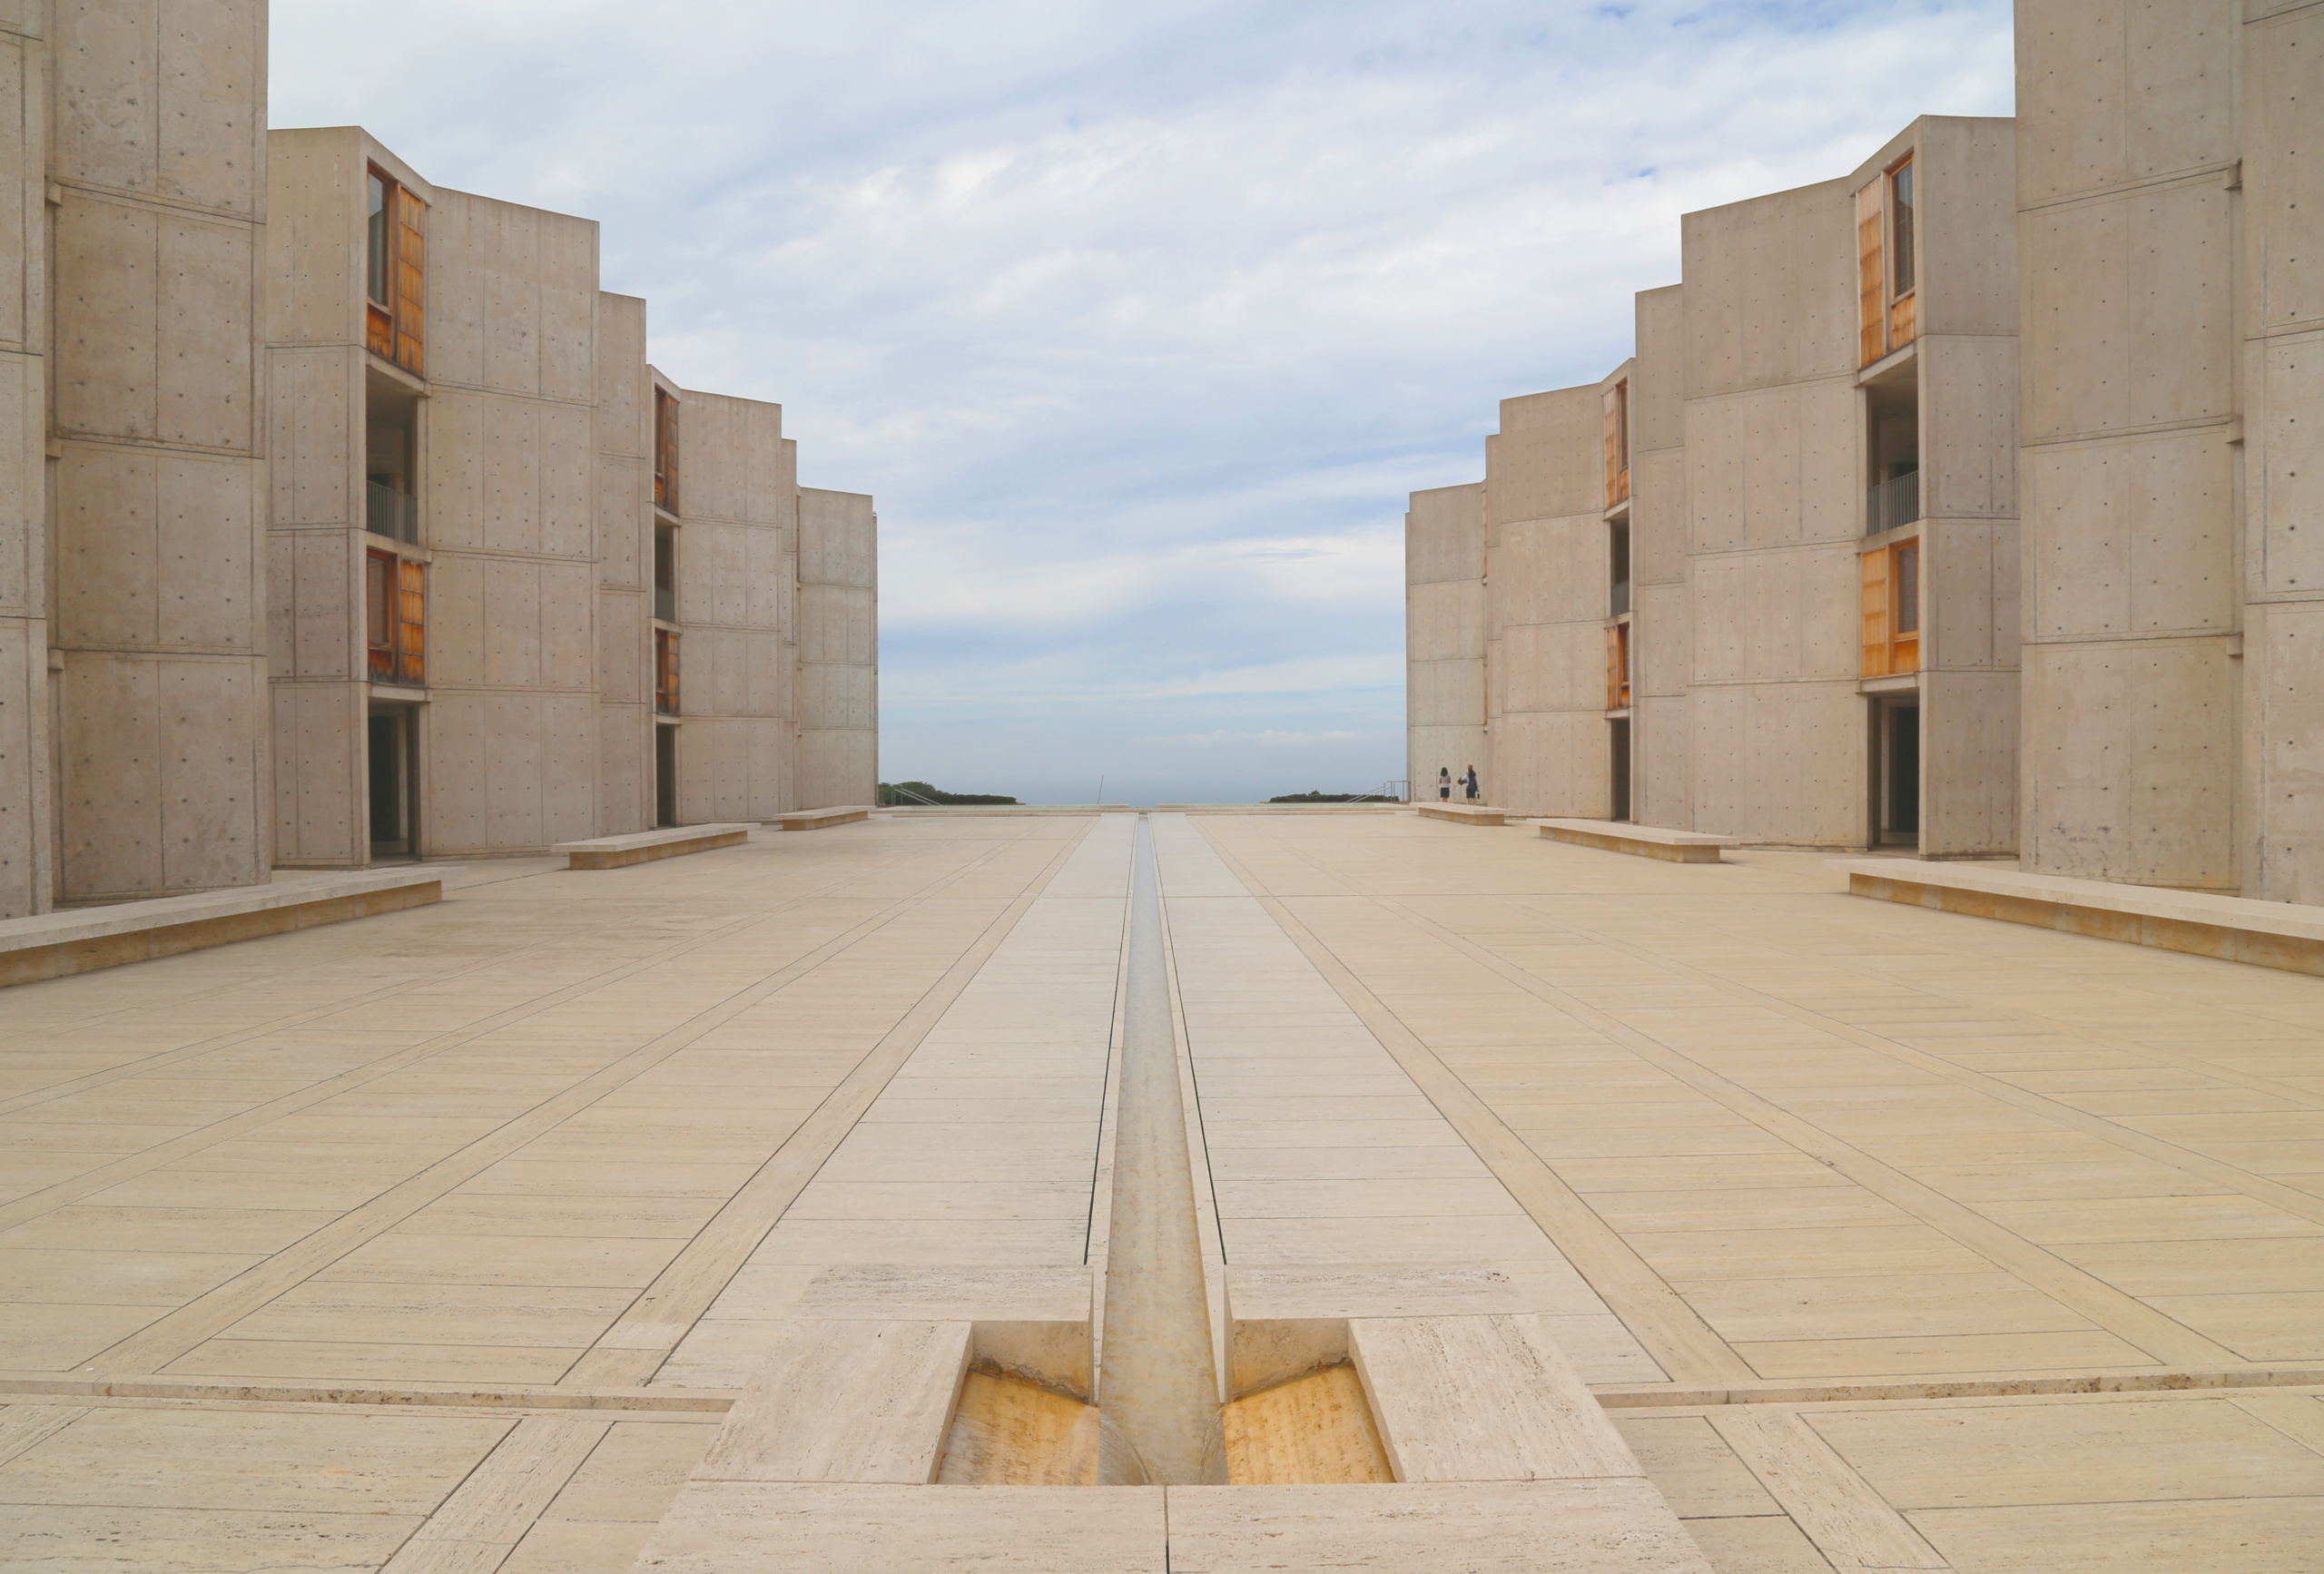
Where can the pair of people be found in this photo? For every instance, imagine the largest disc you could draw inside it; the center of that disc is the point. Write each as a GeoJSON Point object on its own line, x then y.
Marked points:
{"type": "Point", "coordinates": [1468, 780]}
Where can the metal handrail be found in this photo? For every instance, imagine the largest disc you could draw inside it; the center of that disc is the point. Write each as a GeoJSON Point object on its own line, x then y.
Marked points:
{"type": "Point", "coordinates": [389, 513]}
{"type": "Point", "coordinates": [1893, 503]}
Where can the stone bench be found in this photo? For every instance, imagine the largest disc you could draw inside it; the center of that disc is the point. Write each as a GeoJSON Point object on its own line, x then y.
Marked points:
{"type": "Point", "coordinates": [645, 846]}
{"type": "Point", "coordinates": [818, 819]}
{"type": "Point", "coordinates": [2268, 934]}
{"type": "Point", "coordinates": [1641, 840]}
{"type": "Point", "coordinates": [1462, 814]}
{"type": "Point", "coordinates": [53, 945]}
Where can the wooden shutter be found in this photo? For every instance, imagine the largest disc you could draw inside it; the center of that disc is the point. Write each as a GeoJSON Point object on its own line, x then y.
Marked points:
{"type": "Point", "coordinates": [412, 620]}
{"type": "Point", "coordinates": [379, 616]}
{"type": "Point", "coordinates": [1904, 607]}
{"type": "Point", "coordinates": [1615, 659]}
{"type": "Point", "coordinates": [1872, 273]}
{"type": "Point", "coordinates": [1877, 631]}
{"type": "Point", "coordinates": [665, 671]}
{"type": "Point", "coordinates": [410, 281]}
{"type": "Point", "coordinates": [1618, 458]}
{"type": "Point", "coordinates": [666, 449]}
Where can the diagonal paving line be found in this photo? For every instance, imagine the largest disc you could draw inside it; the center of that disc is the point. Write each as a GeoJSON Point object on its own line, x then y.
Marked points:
{"type": "Point", "coordinates": [2161, 1149]}
{"type": "Point", "coordinates": [167, 1058]}
{"type": "Point", "coordinates": [174, 1334]}
{"type": "Point", "coordinates": [130, 1166]}
{"type": "Point", "coordinates": [645, 1335]}
{"type": "Point", "coordinates": [1688, 1348]}
{"type": "Point", "coordinates": [2166, 1338]}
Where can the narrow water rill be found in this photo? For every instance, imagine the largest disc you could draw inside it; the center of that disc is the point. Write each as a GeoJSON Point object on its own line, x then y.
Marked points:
{"type": "Point", "coordinates": [1156, 1384]}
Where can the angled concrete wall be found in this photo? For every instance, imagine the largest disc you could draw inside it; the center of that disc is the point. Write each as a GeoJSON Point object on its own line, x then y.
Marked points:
{"type": "Point", "coordinates": [27, 825]}
{"type": "Point", "coordinates": [1773, 460]}
{"type": "Point", "coordinates": [1546, 597]}
{"type": "Point", "coordinates": [625, 569]}
{"type": "Point", "coordinates": [736, 582]}
{"type": "Point", "coordinates": [2126, 160]}
{"type": "Point", "coordinates": [1662, 632]}
{"type": "Point", "coordinates": [160, 704]}
{"type": "Point", "coordinates": [839, 649]}
{"type": "Point", "coordinates": [2281, 308]}
{"type": "Point", "coordinates": [1444, 636]}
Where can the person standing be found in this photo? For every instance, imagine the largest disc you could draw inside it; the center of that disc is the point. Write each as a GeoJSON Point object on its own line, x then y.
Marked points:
{"type": "Point", "coordinates": [1444, 782]}
{"type": "Point", "coordinates": [1469, 781]}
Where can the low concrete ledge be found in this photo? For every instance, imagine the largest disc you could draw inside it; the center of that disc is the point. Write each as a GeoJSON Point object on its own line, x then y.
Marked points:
{"type": "Point", "coordinates": [51, 945]}
{"type": "Point", "coordinates": [645, 846]}
{"type": "Point", "coordinates": [1462, 814]}
{"type": "Point", "coordinates": [1640, 840]}
{"type": "Point", "coordinates": [818, 819]}
{"type": "Point", "coordinates": [2233, 929]}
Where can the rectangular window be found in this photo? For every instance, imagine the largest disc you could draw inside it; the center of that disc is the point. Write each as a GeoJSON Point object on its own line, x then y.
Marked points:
{"type": "Point", "coordinates": [666, 450]}
{"type": "Point", "coordinates": [1892, 610]}
{"type": "Point", "coordinates": [1617, 552]}
{"type": "Point", "coordinates": [395, 618]}
{"type": "Point", "coordinates": [666, 572]}
{"type": "Point", "coordinates": [1618, 667]}
{"type": "Point", "coordinates": [1887, 274]}
{"type": "Point", "coordinates": [1617, 443]}
{"type": "Point", "coordinates": [396, 313]}
{"type": "Point", "coordinates": [665, 671]}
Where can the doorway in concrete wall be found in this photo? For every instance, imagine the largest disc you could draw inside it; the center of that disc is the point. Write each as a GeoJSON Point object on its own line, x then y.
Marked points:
{"type": "Point", "coordinates": [1896, 771]}
{"type": "Point", "coordinates": [392, 766]}
{"type": "Point", "coordinates": [1618, 747]}
{"type": "Point", "coordinates": [665, 774]}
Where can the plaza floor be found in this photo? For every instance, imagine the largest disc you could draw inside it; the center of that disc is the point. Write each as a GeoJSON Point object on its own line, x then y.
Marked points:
{"type": "Point", "coordinates": [437, 1241]}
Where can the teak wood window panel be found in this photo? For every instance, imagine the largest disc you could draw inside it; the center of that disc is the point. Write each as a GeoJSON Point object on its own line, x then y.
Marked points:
{"type": "Point", "coordinates": [396, 278]}
{"type": "Point", "coordinates": [1617, 443]}
{"type": "Point", "coordinates": [665, 673]}
{"type": "Point", "coordinates": [395, 618]}
{"type": "Point", "coordinates": [1888, 274]}
{"type": "Point", "coordinates": [666, 450]}
{"type": "Point", "coordinates": [1618, 667]}
{"type": "Point", "coordinates": [1892, 610]}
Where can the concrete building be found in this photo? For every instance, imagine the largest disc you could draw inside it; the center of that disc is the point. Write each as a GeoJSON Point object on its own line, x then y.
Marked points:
{"type": "Point", "coordinates": [526, 588]}
{"type": "Point", "coordinates": [133, 752]}
{"type": "Point", "coordinates": [362, 532]}
{"type": "Point", "coordinates": [1719, 594]}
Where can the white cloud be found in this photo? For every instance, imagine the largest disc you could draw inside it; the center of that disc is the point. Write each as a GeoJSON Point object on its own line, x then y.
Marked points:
{"type": "Point", "coordinates": [1138, 321]}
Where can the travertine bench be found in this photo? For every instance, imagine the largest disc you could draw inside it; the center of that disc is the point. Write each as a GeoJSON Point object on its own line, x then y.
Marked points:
{"type": "Point", "coordinates": [643, 846]}
{"type": "Point", "coordinates": [2267, 934]}
{"type": "Point", "coordinates": [1462, 814]}
{"type": "Point", "coordinates": [817, 819]}
{"type": "Point", "coordinates": [51, 945]}
{"type": "Point", "coordinates": [1643, 841]}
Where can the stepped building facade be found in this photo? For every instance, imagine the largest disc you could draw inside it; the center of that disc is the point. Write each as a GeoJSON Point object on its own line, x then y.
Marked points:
{"type": "Point", "coordinates": [1952, 506]}
{"type": "Point", "coordinates": [344, 519]}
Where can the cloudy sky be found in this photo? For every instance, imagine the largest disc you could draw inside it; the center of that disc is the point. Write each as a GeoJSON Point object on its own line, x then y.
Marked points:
{"type": "Point", "coordinates": [1139, 320]}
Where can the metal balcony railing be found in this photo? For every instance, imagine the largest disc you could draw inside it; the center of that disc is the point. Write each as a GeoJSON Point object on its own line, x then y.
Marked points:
{"type": "Point", "coordinates": [389, 513]}
{"type": "Point", "coordinates": [1893, 503]}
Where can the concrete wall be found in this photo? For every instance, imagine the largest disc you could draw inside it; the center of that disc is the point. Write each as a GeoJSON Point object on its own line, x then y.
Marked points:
{"type": "Point", "coordinates": [159, 703]}
{"type": "Point", "coordinates": [1546, 598]}
{"type": "Point", "coordinates": [1444, 636]}
{"type": "Point", "coordinates": [1661, 630]}
{"type": "Point", "coordinates": [737, 582]}
{"type": "Point", "coordinates": [625, 569]}
{"type": "Point", "coordinates": [1965, 359]}
{"type": "Point", "coordinates": [839, 649]}
{"type": "Point", "coordinates": [2280, 309]}
{"type": "Point", "coordinates": [27, 827]}
{"type": "Point", "coordinates": [1773, 460]}
{"type": "Point", "coordinates": [2126, 164]}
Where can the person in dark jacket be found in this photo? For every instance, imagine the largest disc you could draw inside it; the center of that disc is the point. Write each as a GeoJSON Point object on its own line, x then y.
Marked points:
{"type": "Point", "coordinates": [1468, 780]}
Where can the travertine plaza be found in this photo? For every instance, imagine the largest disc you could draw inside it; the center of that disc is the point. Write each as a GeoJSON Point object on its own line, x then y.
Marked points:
{"type": "Point", "coordinates": [480, 1093]}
